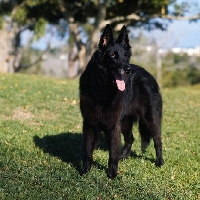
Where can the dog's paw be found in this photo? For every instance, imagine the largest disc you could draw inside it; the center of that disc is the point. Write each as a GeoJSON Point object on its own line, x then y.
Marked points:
{"type": "Point", "coordinates": [112, 171]}
{"type": "Point", "coordinates": [125, 153]}
{"type": "Point", "coordinates": [111, 175]}
{"type": "Point", "coordinates": [85, 169]}
{"type": "Point", "coordinates": [159, 162]}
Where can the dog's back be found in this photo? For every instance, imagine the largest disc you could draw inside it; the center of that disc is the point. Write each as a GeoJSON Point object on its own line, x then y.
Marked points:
{"type": "Point", "coordinates": [113, 95]}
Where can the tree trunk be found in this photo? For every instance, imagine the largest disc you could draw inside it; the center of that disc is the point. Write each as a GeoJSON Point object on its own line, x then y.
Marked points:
{"type": "Point", "coordinates": [159, 68]}
{"type": "Point", "coordinates": [101, 16]}
{"type": "Point", "coordinates": [77, 52]}
{"type": "Point", "coordinates": [6, 48]}
{"type": "Point", "coordinates": [79, 56]}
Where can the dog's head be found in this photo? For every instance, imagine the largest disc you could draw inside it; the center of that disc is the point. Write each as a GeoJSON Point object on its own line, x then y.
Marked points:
{"type": "Point", "coordinates": [115, 54]}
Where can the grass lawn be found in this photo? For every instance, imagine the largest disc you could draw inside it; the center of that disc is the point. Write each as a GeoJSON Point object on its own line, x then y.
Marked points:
{"type": "Point", "coordinates": [41, 146]}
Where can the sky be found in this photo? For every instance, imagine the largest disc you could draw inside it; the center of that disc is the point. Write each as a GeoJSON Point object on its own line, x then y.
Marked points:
{"type": "Point", "coordinates": [179, 34]}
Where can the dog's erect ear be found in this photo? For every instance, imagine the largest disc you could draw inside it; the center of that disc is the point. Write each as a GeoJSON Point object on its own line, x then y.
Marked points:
{"type": "Point", "coordinates": [106, 37]}
{"type": "Point", "coordinates": [123, 37]}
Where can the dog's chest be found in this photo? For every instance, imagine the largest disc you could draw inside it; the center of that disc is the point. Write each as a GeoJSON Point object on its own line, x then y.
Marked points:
{"type": "Point", "coordinates": [101, 112]}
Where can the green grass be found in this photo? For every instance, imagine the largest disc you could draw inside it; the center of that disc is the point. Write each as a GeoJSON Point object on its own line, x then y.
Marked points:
{"type": "Point", "coordinates": [41, 146]}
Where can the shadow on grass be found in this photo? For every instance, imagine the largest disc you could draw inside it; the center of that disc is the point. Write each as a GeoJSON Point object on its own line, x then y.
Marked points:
{"type": "Point", "coordinates": [68, 148]}
{"type": "Point", "coordinates": [143, 156]}
{"type": "Point", "coordinates": [65, 146]}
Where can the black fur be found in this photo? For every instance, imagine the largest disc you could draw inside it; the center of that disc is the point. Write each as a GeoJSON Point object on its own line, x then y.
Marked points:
{"type": "Point", "coordinates": [109, 107]}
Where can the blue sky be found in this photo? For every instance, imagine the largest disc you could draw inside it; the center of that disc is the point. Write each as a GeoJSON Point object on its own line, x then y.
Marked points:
{"type": "Point", "coordinates": [179, 33]}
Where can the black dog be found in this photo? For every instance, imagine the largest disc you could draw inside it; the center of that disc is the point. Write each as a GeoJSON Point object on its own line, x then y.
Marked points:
{"type": "Point", "coordinates": [113, 95]}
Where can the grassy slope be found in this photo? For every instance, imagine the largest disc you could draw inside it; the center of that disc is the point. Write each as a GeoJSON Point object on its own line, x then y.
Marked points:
{"type": "Point", "coordinates": [40, 146]}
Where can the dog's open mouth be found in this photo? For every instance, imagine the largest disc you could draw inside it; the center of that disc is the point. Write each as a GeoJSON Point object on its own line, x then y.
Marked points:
{"type": "Point", "coordinates": [119, 81]}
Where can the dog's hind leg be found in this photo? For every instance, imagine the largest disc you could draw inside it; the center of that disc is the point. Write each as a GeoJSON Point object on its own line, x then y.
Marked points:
{"type": "Point", "coordinates": [89, 141]}
{"type": "Point", "coordinates": [148, 131]}
{"type": "Point", "coordinates": [126, 129]}
{"type": "Point", "coordinates": [158, 144]}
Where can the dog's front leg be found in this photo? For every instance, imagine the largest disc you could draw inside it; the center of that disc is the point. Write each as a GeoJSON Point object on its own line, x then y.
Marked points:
{"type": "Point", "coordinates": [114, 151]}
{"type": "Point", "coordinates": [89, 140]}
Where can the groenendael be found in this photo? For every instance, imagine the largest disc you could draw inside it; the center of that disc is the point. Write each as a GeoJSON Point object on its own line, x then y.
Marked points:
{"type": "Point", "coordinates": [113, 95]}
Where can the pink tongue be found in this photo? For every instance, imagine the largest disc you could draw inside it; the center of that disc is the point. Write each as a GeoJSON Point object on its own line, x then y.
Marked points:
{"type": "Point", "coordinates": [120, 84]}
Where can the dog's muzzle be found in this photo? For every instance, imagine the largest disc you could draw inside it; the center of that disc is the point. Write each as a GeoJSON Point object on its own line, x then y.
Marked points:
{"type": "Point", "coordinates": [126, 69]}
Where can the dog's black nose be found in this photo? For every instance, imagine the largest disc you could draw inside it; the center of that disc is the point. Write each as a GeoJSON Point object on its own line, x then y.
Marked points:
{"type": "Point", "coordinates": [127, 70]}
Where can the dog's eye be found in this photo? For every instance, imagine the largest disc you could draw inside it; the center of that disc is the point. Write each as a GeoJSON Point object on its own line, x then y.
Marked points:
{"type": "Point", "coordinates": [113, 55]}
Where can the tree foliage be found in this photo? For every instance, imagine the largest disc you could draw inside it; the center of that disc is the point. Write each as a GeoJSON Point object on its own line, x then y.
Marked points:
{"type": "Point", "coordinates": [40, 12]}
{"type": "Point", "coordinates": [89, 16]}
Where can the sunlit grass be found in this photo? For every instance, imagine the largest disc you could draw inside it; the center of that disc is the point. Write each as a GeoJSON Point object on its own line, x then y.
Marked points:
{"type": "Point", "coordinates": [41, 146]}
